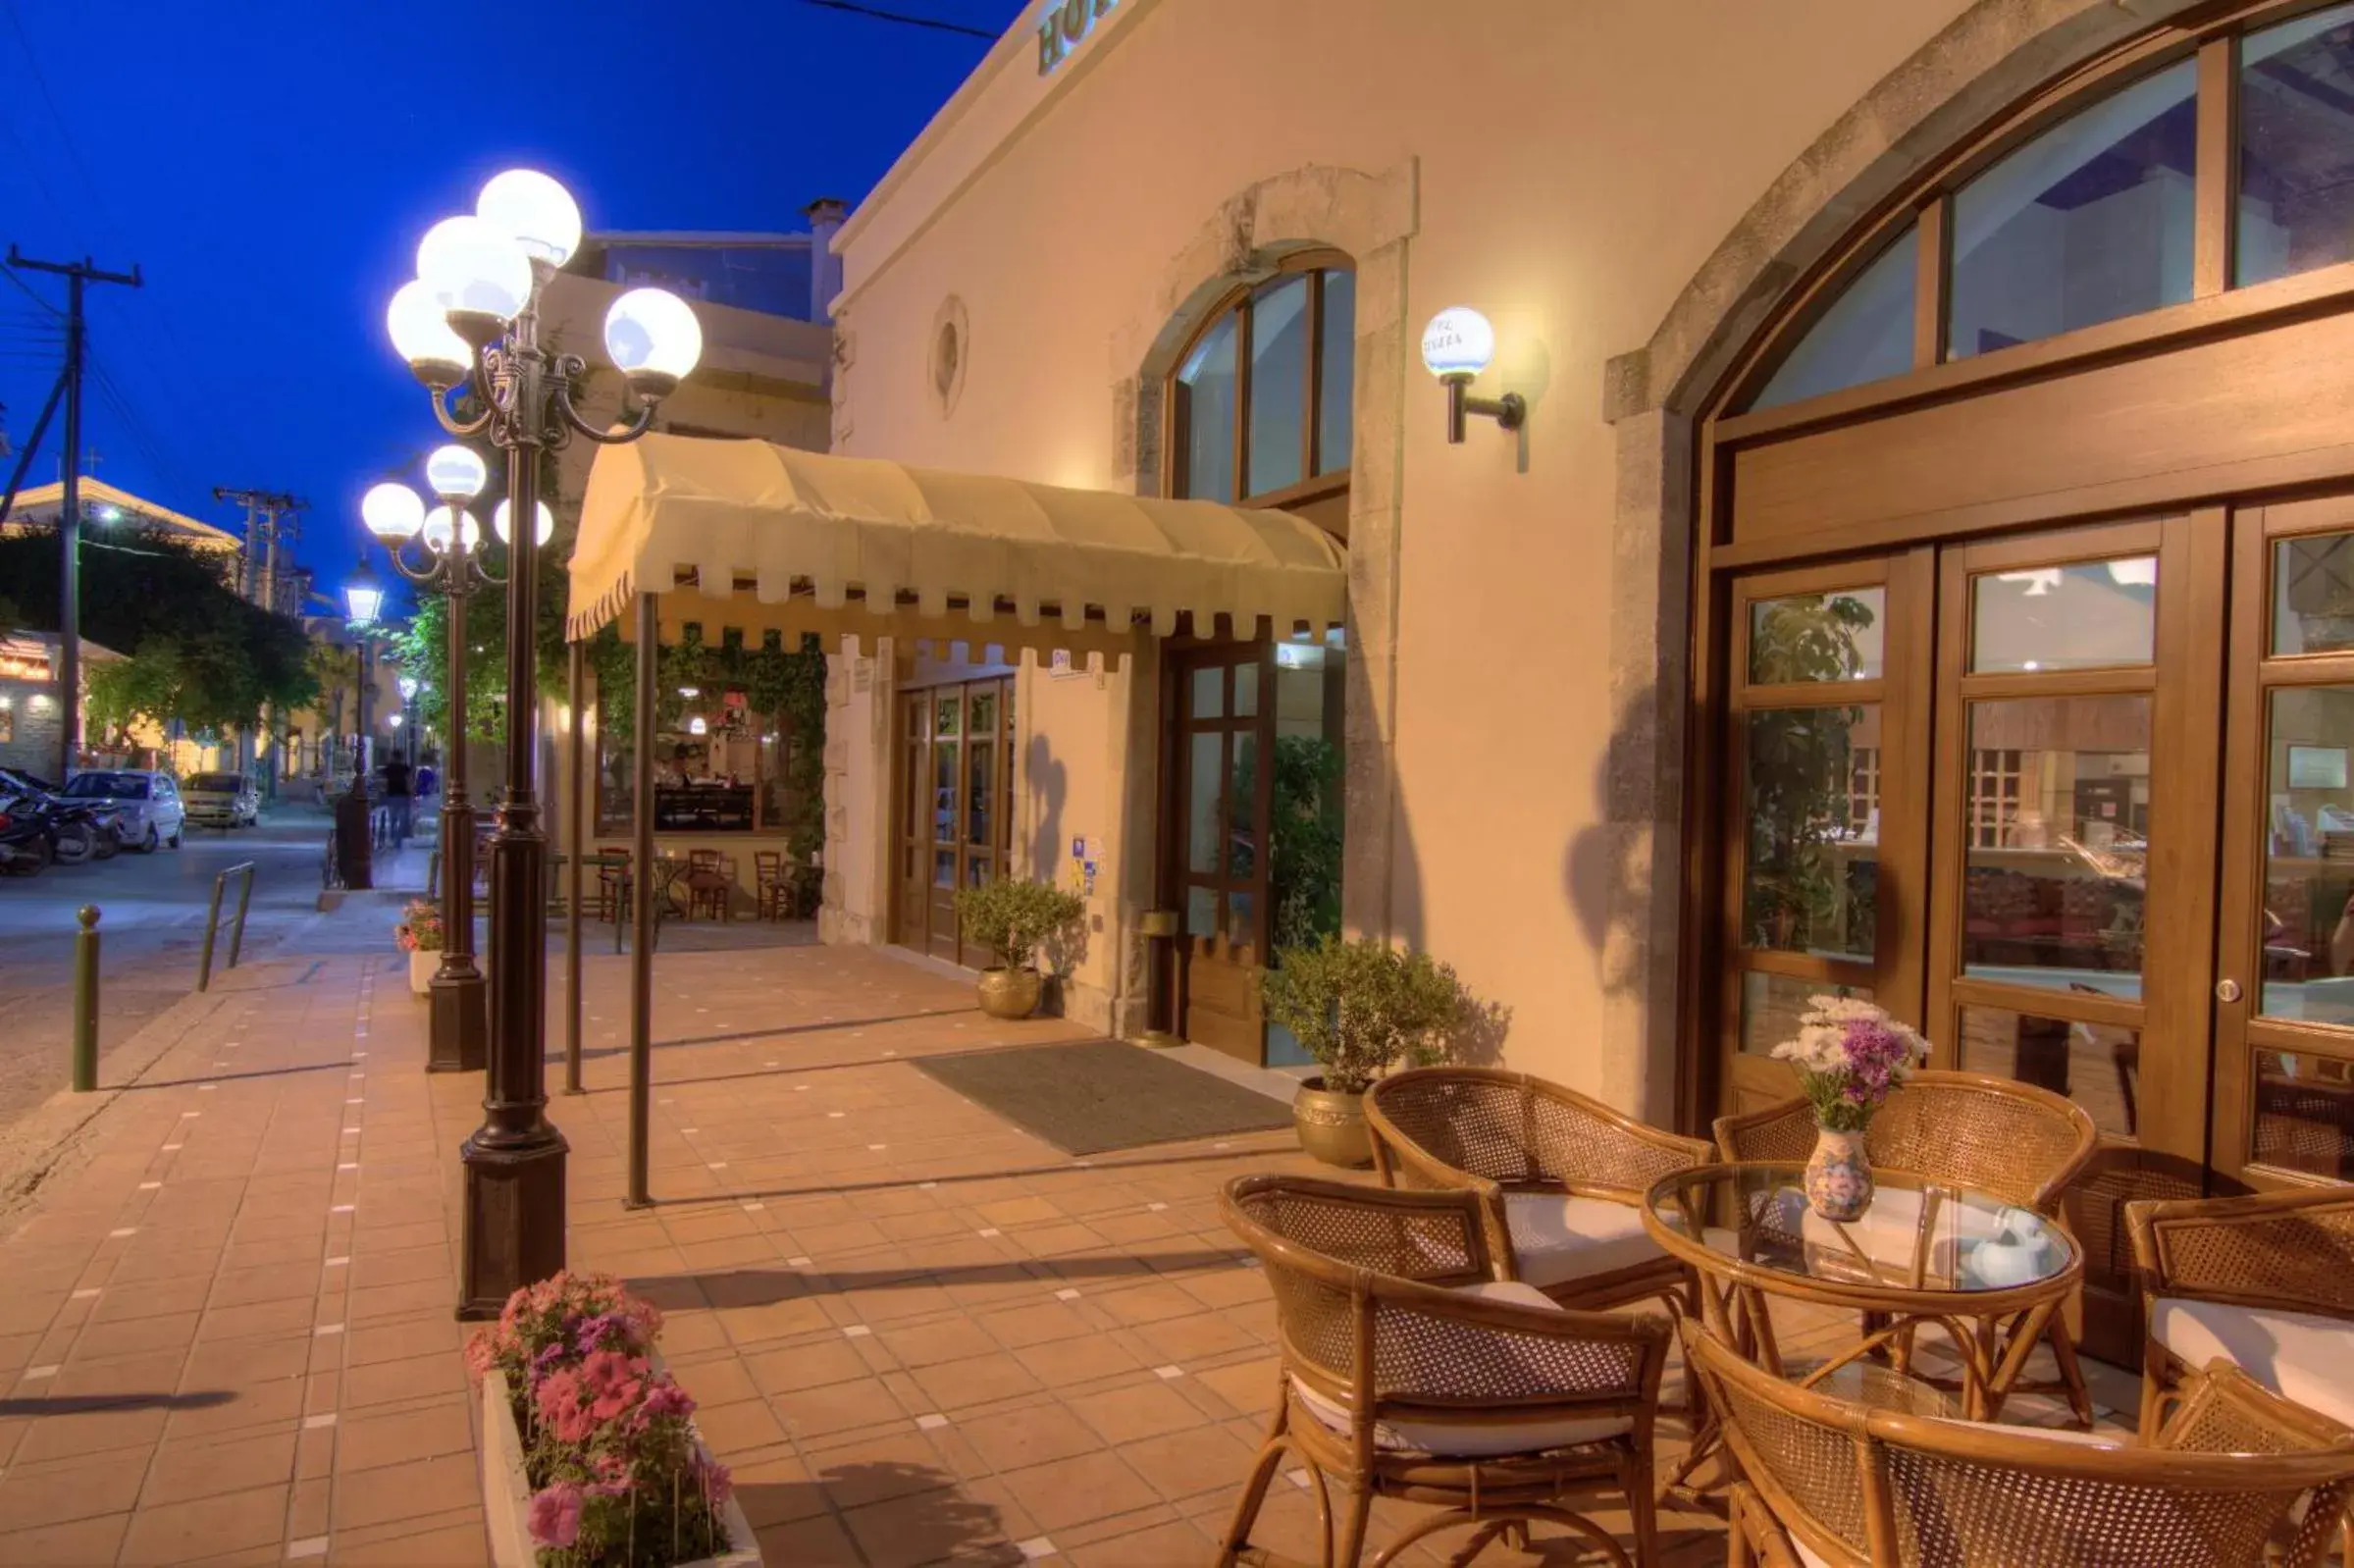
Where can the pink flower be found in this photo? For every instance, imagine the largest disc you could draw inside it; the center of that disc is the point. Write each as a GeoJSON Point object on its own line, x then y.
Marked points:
{"type": "Point", "coordinates": [562, 1407]}
{"type": "Point", "coordinates": [613, 1381]}
{"type": "Point", "coordinates": [555, 1515]}
{"type": "Point", "coordinates": [717, 1484]}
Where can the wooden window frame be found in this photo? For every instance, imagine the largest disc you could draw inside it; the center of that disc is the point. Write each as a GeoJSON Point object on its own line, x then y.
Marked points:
{"type": "Point", "coordinates": [2219, 309]}
{"type": "Point", "coordinates": [1237, 304]}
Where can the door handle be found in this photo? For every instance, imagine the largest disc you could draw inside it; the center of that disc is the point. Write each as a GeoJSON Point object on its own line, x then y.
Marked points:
{"type": "Point", "coordinates": [2227, 990]}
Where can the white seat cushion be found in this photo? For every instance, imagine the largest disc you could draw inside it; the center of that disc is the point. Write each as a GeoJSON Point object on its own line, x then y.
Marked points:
{"type": "Point", "coordinates": [2298, 1355]}
{"type": "Point", "coordinates": [1556, 1239]}
{"type": "Point", "coordinates": [1474, 1441]}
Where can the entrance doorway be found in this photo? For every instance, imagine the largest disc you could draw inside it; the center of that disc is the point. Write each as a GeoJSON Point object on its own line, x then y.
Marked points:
{"type": "Point", "coordinates": [954, 826]}
{"type": "Point", "coordinates": [1252, 824]}
{"type": "Point", "coordinates": [2079, 802]}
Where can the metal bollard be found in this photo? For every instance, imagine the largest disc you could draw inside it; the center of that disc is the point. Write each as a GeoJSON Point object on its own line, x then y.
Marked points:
{"type": "Point", "coordinates": [85, 1001]}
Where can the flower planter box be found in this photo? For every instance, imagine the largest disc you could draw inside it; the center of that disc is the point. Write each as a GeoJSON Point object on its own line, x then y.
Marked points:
{"type": "Point", "coordinates": [422, 967]}
{"type": "Point", "coordinates": [506, 1489]}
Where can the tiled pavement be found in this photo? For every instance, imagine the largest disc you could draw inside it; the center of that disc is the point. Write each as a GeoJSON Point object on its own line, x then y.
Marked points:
{"type": "Point", "coordinates": [917, 1333]}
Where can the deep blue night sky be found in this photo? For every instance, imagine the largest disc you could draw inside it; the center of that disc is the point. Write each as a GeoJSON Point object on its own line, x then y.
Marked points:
{"type": "Point", "coordinates": [271, 164]}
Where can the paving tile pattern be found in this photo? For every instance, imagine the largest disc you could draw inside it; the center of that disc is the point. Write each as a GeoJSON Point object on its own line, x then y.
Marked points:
{"type": "Point", "coordinates": [917, 1333]}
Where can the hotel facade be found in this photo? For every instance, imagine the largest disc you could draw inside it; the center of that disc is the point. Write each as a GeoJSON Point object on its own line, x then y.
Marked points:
{"type": "Point", "coordinates": [1924, 569]}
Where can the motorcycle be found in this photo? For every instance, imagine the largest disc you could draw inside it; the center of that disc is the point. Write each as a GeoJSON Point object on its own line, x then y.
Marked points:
{"type": "Point", "coordinates": [26, 835]}
{"type": "Point", "coordinates": [81, 832]}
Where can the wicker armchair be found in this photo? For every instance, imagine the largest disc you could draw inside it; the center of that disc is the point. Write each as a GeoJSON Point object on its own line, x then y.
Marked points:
{"type": "Point", "coordinates": [1410, 1372]}
{"type": "Point", "coordinates": [1560, 1176]}
{"type": "Point", "coordinates": [1842, 1485]}
{"type": "Point", "coordinates": [2266, 1281]}
{"type": "Point", "coordinates": [2021, 1143]}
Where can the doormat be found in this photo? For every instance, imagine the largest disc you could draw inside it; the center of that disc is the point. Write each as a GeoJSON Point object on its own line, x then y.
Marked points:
{"type": "Point", "coordinates": [1101, 1095]}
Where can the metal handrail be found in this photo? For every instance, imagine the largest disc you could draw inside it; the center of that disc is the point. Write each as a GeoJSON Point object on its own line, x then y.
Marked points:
{"type": "Point", "coordinates": [212, 923]}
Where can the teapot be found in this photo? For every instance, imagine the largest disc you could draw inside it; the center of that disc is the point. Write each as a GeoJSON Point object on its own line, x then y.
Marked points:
{"type": "Point", "coordinates": [2017, 1253]}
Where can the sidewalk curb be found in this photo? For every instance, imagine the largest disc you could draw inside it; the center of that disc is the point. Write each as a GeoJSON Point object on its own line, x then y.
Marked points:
{"type": "Point", "coordinates": [50, 1138]}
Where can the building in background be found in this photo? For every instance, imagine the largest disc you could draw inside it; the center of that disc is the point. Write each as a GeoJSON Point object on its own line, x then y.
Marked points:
{"type": "Point", "coordinates": [105, 508]}
{"type": "Point", "coordinates": [30, 711]}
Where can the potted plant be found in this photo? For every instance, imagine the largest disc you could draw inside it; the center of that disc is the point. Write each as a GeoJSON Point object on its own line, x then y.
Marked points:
{"type": "Point", "coordinates": [419, 935]}
{"type": "Point", "coordinates": [590, 1458]}
{"type": "Point", "coordinates": [1848, 1055]}
{"type": "Point", "coordinates": [1012, 918]}
{"type": "Point", "coordinates": [1359, 1009]}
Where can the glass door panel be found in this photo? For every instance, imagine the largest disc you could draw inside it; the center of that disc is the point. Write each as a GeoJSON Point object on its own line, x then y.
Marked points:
{"type": "Point", "coordinates": [1826, 742]}
{"type": "Point", "coordinates": [2071, 896]}
{"type": "Point", "coordinates": [2284, 1001]}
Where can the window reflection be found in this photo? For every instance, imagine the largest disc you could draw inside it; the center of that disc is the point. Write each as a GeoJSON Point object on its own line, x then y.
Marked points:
{"type": "Point", "coordinates": [1811, 873]}
{"type": "Point", "coordinates": [1771, 1006]}
{"type": "Point", "coordinates": [2313, 595]}
{"type": "Point", "coordinates": [2058, 823]}
{"type": "Point", "coordinates": [1204, 393]}
{"type": "Point", "coordinates": [1818, 637]}
{"type": "Point", "coordinates": [2303, 1113]}
{"type": "Point", "coordinates": [2296, 146]}
{"type": "Point", "coordinates": [2081, 615]}
{"type": "Point", "coordinates": [2089, 222]}
{"type": "Point", "coordinates": [2096, 1065]}
{"type": "Point", "coordinates": [2308, 857]}
{"type": "Point", "coordinates": [1279, 383]}
{"type": "Point", "coordinates": [1866, 335]}
{"type": "Point", "coordinates": [1335, 418]}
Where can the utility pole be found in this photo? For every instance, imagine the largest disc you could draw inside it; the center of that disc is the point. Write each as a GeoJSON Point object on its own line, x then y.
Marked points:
{"type": "Point", "coordinates": [269, 515]}
{"type": "Point", "coordinates": [69, 527]}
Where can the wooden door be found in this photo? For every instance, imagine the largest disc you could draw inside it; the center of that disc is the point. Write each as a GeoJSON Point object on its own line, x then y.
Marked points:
{"type": "Point", "coordinates": [2071, 910]}
{"type": "Point", "coordinates": [1216, 841]}
{"type": "Point", "coordinates": [1826, 803]}
{"type": "Point", "coordinates": [2283, 1112]}
{"type": "Point", "coordinates": [954, 826]}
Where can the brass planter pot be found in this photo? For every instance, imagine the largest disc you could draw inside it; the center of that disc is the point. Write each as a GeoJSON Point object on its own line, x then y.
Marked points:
{"type": "Point", "coordinates": [1332, 1126]}
{"type": "Point", "coordinates": [1011, 993]}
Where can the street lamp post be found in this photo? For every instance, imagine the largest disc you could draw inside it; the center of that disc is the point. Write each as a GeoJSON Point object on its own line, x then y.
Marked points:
{"type": "Point", "coordinates": [363, 602]}
{"type": "Point", "coordinates": [471, 320]}
{"type": "Point", "coordinates": [445, 544]}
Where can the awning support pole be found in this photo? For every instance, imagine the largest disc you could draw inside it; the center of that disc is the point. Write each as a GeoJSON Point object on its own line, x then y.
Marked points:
{"type": "Point", "coordinates": [576, 846]}
{"type": "Point", "coordinates": [644, 890]}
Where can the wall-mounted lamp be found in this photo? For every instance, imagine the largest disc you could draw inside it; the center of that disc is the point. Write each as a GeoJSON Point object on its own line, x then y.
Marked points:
{"type": "Point", "coordinates": [1456, 346]}
{"type": "Point", "coordinates": [698, 726]}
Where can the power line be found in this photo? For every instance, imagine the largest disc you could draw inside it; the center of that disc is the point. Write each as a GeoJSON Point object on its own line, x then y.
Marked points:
{"type": "Point", "coordinates": [901, 18]}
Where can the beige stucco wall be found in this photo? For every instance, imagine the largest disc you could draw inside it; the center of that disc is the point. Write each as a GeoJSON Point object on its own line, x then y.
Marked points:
{"type": "Point", "coordinates": [1615, 181]}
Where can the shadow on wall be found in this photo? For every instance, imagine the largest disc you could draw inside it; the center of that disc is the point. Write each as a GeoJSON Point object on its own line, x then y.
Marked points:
{"type": "Point", "coordinates": [1048, 783]}
{"type": "Point", "coordinates": [1605, 880]}
{"type": "Point", "coordinates": [1480, 1037]}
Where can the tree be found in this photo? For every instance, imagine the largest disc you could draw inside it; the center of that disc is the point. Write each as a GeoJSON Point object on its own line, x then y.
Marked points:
{"type": "Point", "coordinates": [201, 654]}
{"type": "Point", "coordinates": [1798, 765]}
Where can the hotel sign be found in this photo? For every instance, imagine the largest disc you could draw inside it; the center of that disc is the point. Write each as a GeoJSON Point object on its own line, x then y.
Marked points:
{"type": "Point", "coordinates": [1064, 24]}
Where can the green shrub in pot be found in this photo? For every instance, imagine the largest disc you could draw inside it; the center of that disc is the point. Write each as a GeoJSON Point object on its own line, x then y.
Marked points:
{"type": "Point", "coordinates": [1359, 1009]}
{"type": "Point", "coordinates": [1012, 918]}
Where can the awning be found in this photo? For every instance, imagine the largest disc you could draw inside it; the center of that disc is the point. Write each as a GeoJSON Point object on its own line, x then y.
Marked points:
{"type": "Point", "coordinates": [745, 533]}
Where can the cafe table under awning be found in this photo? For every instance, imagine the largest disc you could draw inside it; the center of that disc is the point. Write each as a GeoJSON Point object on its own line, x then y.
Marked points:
{"type": "Point", "coordinates": [750, 536]}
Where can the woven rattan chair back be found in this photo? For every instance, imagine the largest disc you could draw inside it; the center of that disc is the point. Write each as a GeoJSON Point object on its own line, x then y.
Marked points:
{"type": "Point", "coordinates": [2289, 1251]}
{"type": "Point", "coordinates": [2018, 1142]}
{"type": "Point", "coordinates": [1437, 1125]}
{"type": "Point", "coordinates": [1858, 1485]}
{"type": "Point", "coordinates": [1362, 1279]}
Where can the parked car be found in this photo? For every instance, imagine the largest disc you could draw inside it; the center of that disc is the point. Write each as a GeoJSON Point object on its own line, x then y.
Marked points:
{"type": "Point", "coordinates": [221, 799]}
{"type": "Point", "coordinates": [148, 811]}
{"type": "Point", "coordinates": [81, 829]}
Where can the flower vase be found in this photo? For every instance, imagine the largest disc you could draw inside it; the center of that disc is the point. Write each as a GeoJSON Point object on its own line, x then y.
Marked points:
{"type": "Point", "coordinates": [1838, 1176]}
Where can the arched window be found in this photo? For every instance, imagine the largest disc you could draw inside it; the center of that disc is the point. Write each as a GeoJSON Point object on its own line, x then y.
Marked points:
{"type": "Point", "coordinates": [2095, 217]}
{"type": "Point", "coordinates": [1259, 404]}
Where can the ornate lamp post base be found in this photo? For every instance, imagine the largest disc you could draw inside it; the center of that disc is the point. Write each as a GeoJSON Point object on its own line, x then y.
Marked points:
{"type": "Point", "coordinates": [514, 1233]}
{"type": "Point", "coordinates": [461, 1021]}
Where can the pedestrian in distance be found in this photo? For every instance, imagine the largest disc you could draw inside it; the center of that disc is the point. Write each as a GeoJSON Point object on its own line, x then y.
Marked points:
{"type": "Point", "coordinates": [397, 799]}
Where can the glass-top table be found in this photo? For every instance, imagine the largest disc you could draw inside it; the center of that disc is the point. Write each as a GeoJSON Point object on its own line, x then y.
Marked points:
{"type": "Point", "coordinates": [1990, 1274]}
